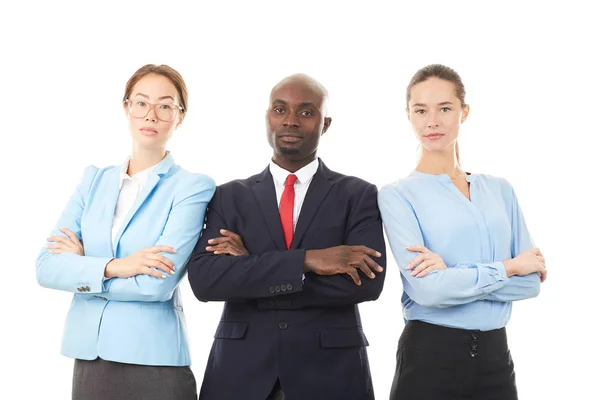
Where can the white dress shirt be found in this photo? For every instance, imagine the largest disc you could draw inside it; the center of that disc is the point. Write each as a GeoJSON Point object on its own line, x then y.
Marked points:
{"type": "Point", "coordinates": [304, 175]}
{"type": "Point", "coordinates": [130, 188]}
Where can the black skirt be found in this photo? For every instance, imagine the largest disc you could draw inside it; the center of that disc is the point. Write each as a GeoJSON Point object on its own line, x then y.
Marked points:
{"type": "Point", "coordinates": [436, 362]}
{"type": "Point", "coordinates": [107, 380]}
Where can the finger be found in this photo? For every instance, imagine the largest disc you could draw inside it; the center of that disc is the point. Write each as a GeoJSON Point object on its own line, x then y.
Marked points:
{"type": "Point", "coordinates": [61, 246]}
{"type": "Point", "coordinates": [536, 251]}
{"type": "Point", "coordinates": [366, 250]}
{"type": "Point", "coordinates": [230, 234]}
{"type": "Point", "coordinates": [424, 265]}
{"type": "Point", "coordinates": [58, 251]}
{"type": "Point", "coordinates": [541, 258]}
{"type": "Point", "coordinates": [218, 248]}
{"type": "Point", "coordinates": [425, 272]}
{"type": "Point", "coordinates": [372, 264]}
{"type": "Point", "coordinates": [418, 260]}
{"type": "Point", "coordinates": [160, 249]}
{"type": "Point", "coordinates": [420, 249]}
{"type": "Point", "coordinates": [362, 265]}
{"type": "Point", "coordinates": [543, 275]}
{"type": "Point", "coordinates": [219, 240]}
{"type": "Point", "coordinates": [231, 250]}
{"type": "Point", "coordinates": [159, 265]}
{"type": "Point", "coordinates": [72, 236]}
{"type": "Point", "coordinates": [162, 259]}
{"type": "Point", "coordinates": [60, 239]}
{"type": "Point", "coordinates": [354, 275]}
{"type": "Point", "coordinates": [151, 272]}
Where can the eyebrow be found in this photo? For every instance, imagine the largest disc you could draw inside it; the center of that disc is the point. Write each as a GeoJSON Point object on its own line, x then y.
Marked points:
{"type": "Point", "coordinates": [160, 98]}
{"type": "Point", "coordinates": [305, 104]}
{"type": "Point", "coordinates": [443, 103]}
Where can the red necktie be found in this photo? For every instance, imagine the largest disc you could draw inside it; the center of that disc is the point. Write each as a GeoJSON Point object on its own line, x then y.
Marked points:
{"type": "Point", "coordinates": [286, 209]}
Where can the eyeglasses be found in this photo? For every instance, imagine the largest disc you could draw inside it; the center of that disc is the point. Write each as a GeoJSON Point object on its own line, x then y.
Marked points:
{"type": "Point", "coordinates": [140, 108]}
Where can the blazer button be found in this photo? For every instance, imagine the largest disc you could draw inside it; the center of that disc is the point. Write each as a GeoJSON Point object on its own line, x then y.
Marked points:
{"type": "Point", "coordinates": [87, 289]}
{"type": "Point", "coordinates": [80, 289]}
{"type": "Point", "coordinates": [271, 290]}
{"type": "Point", "coordinates": [277, 289]}
{"type": "Point", "coordinates": [283, 288]}
{"type": "Point", "coordinates": [289, 287]}
{"type": "Point", "coordinates": [473, 354]}
{"type": "Point", "coordinates": [283, 325]}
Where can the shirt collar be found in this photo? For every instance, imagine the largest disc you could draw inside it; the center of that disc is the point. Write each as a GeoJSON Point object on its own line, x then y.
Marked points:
{"type": "Point", "coordinates": [304, 174]}
{"type": "Point", "coordinates": [141, 177]}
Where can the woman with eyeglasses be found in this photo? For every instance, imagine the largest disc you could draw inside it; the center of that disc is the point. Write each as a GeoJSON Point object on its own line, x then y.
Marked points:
{"type": "Point", "coordinates": [121, 245]}
{"type": "Point", "coordinates": [464, 253]}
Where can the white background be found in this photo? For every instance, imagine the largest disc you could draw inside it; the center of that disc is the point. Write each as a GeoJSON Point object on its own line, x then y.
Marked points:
{"type": "Point", "coordinates": [532, 83]}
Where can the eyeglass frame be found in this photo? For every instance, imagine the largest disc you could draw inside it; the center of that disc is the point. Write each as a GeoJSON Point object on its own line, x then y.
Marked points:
{"type": "Point", "coordinates": [130, 103]}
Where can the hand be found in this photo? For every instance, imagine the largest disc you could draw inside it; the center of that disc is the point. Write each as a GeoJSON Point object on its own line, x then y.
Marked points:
{"type": "Point", "coordinates": [426, 262]}
{"type": "Point", "coordinates": [142, 262]}
{"type": "Point", "coordinates": [528, 262]}
{"type": "Point", "coordinates": [230, 243]}
{"type": "Point", "coordinates": [343, 260]}
{"type": "Point", "coordinates": [65, 245]}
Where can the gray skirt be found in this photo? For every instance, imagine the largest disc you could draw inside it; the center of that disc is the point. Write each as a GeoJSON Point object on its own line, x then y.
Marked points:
{"type": "Point", "coordinates": [107, 380]}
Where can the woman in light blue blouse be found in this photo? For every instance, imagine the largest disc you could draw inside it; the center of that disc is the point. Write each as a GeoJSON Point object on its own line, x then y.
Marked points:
{"type": "Point", "coordinates": [464, 253]}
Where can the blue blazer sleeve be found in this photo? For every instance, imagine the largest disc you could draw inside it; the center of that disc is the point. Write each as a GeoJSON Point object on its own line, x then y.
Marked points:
{"type": "Point", "coordinates": [181, 232]}
{"type": "Point", "coordinates": [70, 271]}
{"type": "Point", "coordinates": [445, 288]}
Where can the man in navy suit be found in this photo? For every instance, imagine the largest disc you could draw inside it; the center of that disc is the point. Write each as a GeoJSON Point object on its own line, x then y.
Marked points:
{"type": "Point", "coordinates": [292, 251]}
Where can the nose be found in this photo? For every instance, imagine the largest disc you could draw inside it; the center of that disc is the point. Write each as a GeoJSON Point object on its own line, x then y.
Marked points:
{"type": "Point", "coordinates": [291, 120]}
{"type": "Point", "coordinates": [434, 120]}
{"type": "Point", "coordinates": [151, 116]}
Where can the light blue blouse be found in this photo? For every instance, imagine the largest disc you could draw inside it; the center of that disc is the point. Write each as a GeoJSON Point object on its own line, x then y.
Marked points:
{"type": "Point", "coordinates": [472, 237]}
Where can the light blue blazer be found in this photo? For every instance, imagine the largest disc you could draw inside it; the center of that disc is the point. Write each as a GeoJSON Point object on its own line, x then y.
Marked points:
{"type": "Point", "coordinates": [137, 320]}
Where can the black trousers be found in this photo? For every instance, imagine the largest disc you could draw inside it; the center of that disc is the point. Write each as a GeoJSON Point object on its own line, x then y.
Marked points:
{"type": "Point", "coordinates": [439, 363]}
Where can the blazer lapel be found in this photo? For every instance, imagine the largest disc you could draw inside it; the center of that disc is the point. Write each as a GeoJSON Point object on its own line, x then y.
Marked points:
{"type": "Point", "coordinates": [264, 191]}
{"type": "Point", "coordinates": [317, 192]}
{"type": "Point", "coordinates": [161, 169]}
{"type": "Point", "coordinates": [110, 192]}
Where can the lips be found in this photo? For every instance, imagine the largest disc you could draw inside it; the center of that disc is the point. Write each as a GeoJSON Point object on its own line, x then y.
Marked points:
{"type": "Point", "coordinates": [148, 131]}
{"type": "Point", "coordinates": [289, 138]}
{"type": "Point", "coordinates": [434, 136]}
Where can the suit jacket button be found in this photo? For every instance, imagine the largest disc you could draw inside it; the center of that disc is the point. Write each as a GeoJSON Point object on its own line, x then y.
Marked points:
{"type": "Point", "coordinates": [271, 290]}
{"type": "Point", "coordinates": [277, 289]}
{"type": "Point", "coordinates": [283, 288]}
{"type": "Point", "coordinates": [283, 325]}
{"type": "Point", "coordinates": [289, 287]}
{"type": "Point", "coordinates": [87, 289]}
{"type": "Point", "coordinates": [79, 289]}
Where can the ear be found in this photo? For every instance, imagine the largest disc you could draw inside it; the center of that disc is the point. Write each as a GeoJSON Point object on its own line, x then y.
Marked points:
{"type": "Point", "coordinates": [126, 109]}
{"type": "Point", "coordinates": [326, 126]}
{"type": "Point", "coordinates": [465, 113]}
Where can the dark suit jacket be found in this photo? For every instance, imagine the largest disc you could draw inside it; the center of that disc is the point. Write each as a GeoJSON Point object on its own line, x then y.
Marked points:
{"type": "Point", "coordinates": [308, 334]}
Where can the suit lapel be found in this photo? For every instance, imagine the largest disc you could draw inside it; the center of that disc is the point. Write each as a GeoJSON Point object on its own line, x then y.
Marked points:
{"type": "Point", "coordinates": [316, 194]}
{"type": "Point", "coordinates": [264, 191]}
{"type": "Point", "coordinates": [161, 169]}
{"type": "Point", "coordinates": [110, 191]}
